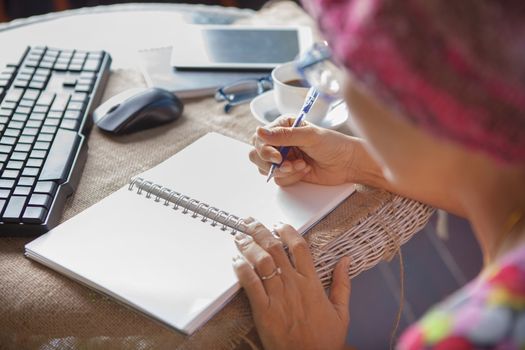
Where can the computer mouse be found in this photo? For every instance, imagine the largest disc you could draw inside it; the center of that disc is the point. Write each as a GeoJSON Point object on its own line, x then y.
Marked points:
{"type": "Point", "coordinates": [137, 109]}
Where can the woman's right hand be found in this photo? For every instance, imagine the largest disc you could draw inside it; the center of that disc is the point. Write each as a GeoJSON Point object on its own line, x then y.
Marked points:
{"type": "Point", "coordinates": [317, 155]}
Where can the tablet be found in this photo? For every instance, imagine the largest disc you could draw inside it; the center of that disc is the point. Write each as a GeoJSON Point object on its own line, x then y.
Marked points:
{"type": "Point", "coordinates": [239, 47]}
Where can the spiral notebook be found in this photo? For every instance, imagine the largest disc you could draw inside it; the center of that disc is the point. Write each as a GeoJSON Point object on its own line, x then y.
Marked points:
{"type": "Point", "coordinates": [162, 244]}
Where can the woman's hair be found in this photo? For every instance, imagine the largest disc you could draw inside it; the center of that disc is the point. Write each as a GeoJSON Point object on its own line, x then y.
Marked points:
{"type": "Point", "coordinates": [456, 68]}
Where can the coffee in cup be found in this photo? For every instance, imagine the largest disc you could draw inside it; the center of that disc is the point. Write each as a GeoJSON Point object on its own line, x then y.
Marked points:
{"type": "Point", "coordinates": [290, 91]}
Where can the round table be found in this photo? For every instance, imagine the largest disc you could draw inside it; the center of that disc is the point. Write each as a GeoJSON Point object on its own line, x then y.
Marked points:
{"type": "Point", "coordinates": [119, 29]}
{"type": "Point", "coordinates": [42, 309]}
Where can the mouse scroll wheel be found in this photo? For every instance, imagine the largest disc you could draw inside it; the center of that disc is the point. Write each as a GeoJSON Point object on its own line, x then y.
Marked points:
{"type": "Point", "coordinates": [112, 108]}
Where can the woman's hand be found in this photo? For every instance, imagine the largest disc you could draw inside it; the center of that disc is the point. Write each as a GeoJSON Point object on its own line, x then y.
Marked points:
{"type": "Point", "coordinates": [318, 155]}
{"type": "Point", "coordinates": [290, 307]}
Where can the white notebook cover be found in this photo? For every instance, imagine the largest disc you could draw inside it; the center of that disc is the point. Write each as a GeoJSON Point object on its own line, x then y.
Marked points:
{"type": "Point", "coordinates": [169, 265]}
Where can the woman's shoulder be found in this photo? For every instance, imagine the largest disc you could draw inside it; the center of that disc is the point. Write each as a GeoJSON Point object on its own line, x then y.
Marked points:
{"type": "Point", "coordinates": [488, 312]}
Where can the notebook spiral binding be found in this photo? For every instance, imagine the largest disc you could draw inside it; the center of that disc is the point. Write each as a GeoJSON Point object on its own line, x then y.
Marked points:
{"type": "Point", "coordinates": [188, 204]}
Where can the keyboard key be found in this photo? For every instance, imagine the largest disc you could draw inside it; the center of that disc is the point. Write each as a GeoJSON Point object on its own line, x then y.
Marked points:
{"type": "Point", "coordinates": [73, 114]}
{"type": "Point", "coordinates": [19, 155]}
{"type": "Point", "coordinates": [82, 88]}
{"type": "Point", "coordinates": [27, 103]}
{"type": "Point", "coordinates": [13, 210]}
{"type": "Point", "coordinates": [70, 82]}
{"type": "Point", "coordinates": [12, 133]}
{"type": "Point", "coordinates": [24, 76]}
{"type": "Point", "coordinates": [23, 147]}
{"type": "Point", "coordinates": [3, 157]}
{"type": "Point", "coordinates": [4, 193]}
{"type": "Point", "coordinates": [37, 154]}
{"type": "Point", "coordinates": [75, 67]}
{"type": "Point", "coordinates": [48, 187]}
{"type": "Point", "coordinates": [75, 106]}
{"type": "Point", "coordinates": [60, 102]}
{"type": "Point", "coordinates": [42, 200]}
{"type": "Point", "coordinates": [7, 183]}
{"type": "Point", "coordinates": [45, 99]}
{"type": "Point", "coordinates": [10, 174]}
{"type": "Point", "coordinates": [34, 215]}
{"type": "Point", "coordinates": [43, 72]}
{"type": "Point", "coordinates": [26, 139]}
{"type": "Point", "coordinates": [30, 131]}
{"type": "Point", "coordinates": [2, 204]}
{"type": "Point", "coordinates": [79, 97]}
{"type": "Point", "coordinates": [22, 190]}
{"type": "Point", "coordinates": [20, 83]}
{"type": "Point", "coordinates": [42, 145]}
{"type": "Point", "coordinates": [91, 65]}
{"type": "Point", "coordinates": [6, 140]}
{"type": "Point", "coordinates": [47, 64]}
{"type": "Point", "coordinates": [40, 78]}
{"type": "Point", "coordinates": [20, 117]}
{"type": "Point", "coordinates": [31, 62]}
{"type": "Point", "coordinates": [37, 84]}
{"type": "Point", "coordinates": [15, 125]}
{"type": "Point", "coordinates": [48, 129]}
{"type": "Point", "coordinates": [52, 122]}
{"type": "Point", "coordinates": [14, 95]}
{"type": "Point", "coordinates": [35, 162]}
{"type": "Point", "coordinates": [61, 66]}
{"type": "Point", "coordinates": [15, 165]}
{"type": "Point", "coordinates": [4, 112]}
{"type": "Point", "coordinates": [37, 116]}
{"type": "Point", "coordinates": [27, 70]}
{"type": "Point", "coordinates": [34, 124]}
{"type": "Point", "coordinates": [8, 104]}
{"type": "Point", "coordinates": [26, 181]}
{"type": "Point", "coordinates": [54, 114]}
{"type": "Point", "coordinates": [45, 137]}
{"type": "Point", "coordinates": [28, 171]}
{"type": "Point", "coordinates": [31, 94]}
{"type": "Point", "coordinates": [6, 148]}
{"type": "Point", "coordinates": [23, 110]}
{"type": "Point", "coordinates": [60, 157]}
{"type": "Point", "coordinates": [70, 124]}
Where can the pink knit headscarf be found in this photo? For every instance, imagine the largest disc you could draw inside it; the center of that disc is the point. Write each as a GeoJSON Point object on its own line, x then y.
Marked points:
{"type": "Point", "coordinates": [457, 68]}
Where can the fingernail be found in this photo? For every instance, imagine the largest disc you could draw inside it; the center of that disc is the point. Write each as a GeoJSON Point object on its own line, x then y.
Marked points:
{"type": "Point", "coordinates": [242, 239]}
{"type": "Point", "coordinates": [300, 165]}
{"type": "Point", "coordinates": [346, 261]}
{"type": "Point", "coordinates": [237, 260]}
{"type": "Point", "coordinates": [264, 131]}
{"type": "Point", "coordinates": [275, 159]}
{"type": "Point", "coordinates": [307, 169]}
{"type": "Point", "coordinates": [285, 168]}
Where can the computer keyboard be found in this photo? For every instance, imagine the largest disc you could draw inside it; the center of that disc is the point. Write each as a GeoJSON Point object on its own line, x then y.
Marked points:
{"type": "Point", "coordinates": [46, 100]}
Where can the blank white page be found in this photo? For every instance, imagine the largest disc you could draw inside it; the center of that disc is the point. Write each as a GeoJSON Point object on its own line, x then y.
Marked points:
{"type": "Point", "coordinates": [168, 265]}
{"type": "Point", "coordinates": [217, 171]}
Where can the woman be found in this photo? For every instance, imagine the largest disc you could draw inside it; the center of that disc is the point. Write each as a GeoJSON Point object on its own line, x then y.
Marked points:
{"type": "Point", "coordinates": [437, 92]}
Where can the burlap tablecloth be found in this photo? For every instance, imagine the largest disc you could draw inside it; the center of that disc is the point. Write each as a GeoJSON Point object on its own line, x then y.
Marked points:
{"type": "Point", "coordinates": [40, 308]}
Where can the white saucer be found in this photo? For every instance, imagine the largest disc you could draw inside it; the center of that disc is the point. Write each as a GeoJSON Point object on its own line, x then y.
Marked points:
{"type": "Point", "coordinates": [264, 110]}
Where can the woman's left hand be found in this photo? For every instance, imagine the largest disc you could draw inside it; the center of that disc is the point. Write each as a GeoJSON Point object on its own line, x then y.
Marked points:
{"type": "Point", "coordinates": [290, 307]}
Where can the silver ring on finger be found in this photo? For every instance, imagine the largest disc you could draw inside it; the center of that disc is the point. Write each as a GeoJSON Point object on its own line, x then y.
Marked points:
{"type": "Point", "coordinates": [275, 272]}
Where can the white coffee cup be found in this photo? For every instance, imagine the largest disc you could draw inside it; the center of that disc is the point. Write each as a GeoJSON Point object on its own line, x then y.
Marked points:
{"type": "Point", "coordinates": [289, 99]}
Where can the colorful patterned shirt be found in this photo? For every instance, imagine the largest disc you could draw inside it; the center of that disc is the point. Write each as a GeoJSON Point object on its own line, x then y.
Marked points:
{"type": "Point", "coordinates": [488, 313]}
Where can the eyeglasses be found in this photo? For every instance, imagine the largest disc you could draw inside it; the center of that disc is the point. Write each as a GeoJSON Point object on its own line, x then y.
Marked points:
{"type": "Point", "coordinates": [242, 91]}
{"type": "Point", "coordinates": [319, 69]}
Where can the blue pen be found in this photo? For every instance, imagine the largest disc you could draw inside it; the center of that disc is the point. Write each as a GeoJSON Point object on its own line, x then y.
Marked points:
{"type": "Point", "coordinates": [309, 101]}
